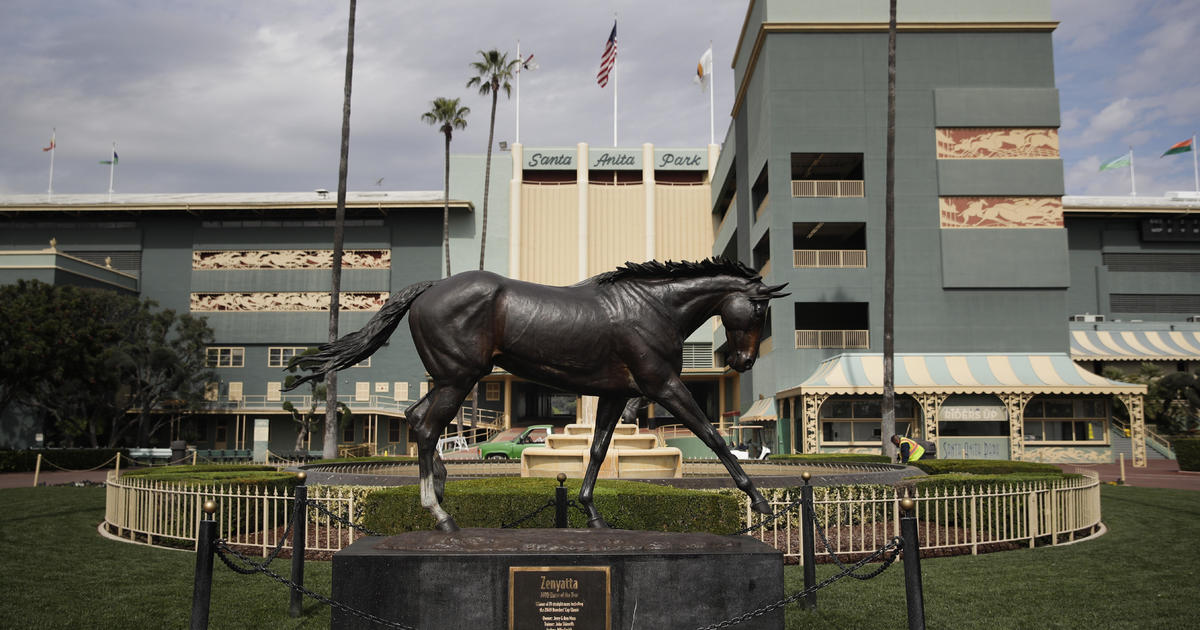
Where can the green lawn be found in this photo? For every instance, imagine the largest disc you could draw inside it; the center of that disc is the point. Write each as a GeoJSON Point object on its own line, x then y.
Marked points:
{"type": "Point", "coordinates": [58, 573]}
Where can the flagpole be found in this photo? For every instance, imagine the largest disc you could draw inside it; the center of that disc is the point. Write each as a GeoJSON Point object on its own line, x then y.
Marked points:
{"type": "Point", "coordinates": [712, 78]}
{"type": "Point", "coordinates": [1132, 177]}
{"type": "Point", "coordinates": [614, 73]}
{"type": "Point", "coordinates": [520, 66]}
{"type": "Point", "coordinates": [1195, 169]}
{"type": "Point", "coordinates": [50, 190]}
{"type": "Point", "coordinates": [112, 170]}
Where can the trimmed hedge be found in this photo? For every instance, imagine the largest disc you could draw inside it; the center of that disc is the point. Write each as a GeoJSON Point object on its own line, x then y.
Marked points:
{"type": "Point", "coordinates": [832, 458]}
{"type": "Point", "coordinates": [501, 501]}
{"type": "Point", "coordinates": [1187, 452]}
{"type": "Point", "coordinates": [984, 467]}
{"type": "Point", "coordinates": [69, 458]}
{"type": "Point", "coordinates": [229, 475]}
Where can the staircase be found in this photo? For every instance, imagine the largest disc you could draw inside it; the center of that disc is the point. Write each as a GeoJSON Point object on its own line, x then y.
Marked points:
{"type": "Point", "coordinates": [1122, 444]}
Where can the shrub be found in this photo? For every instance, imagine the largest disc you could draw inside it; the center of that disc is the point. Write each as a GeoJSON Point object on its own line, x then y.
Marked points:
{"type": "Point", "coordinates": [69, 458]}
{"type": "Point", "coordinates": [983, 467]}
{"type": "Point", "coordinates": [832, 458]}
{"type": "Point", "coordinates": [1187, 451]}
{"type": "Point", "coordinates": [225, 475]}
{"type": "Point", "coordinates": [497, 502]}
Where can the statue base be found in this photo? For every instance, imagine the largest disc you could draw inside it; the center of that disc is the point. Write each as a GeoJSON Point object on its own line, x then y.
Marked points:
{"type": "Point", "coordinates": [561, 579]}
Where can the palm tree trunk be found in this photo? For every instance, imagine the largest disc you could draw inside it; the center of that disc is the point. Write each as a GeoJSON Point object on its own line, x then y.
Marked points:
{"type": "Point", "coordinates": [888, 421]}
{"type": "Point", "coordinates": [329, 450]}
{"type": "Point", "coordinates": [446, 207]}
{"type": "Point", "coordinates": [487, 175]}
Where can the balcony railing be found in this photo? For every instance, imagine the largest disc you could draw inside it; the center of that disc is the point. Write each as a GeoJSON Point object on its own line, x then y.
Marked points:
{"type": "Point", "coordinates": [827, 188]}
{"type": "Point", "coordinates": [844, 339]}
{"type": "Point", "coordinates": [829, 258]}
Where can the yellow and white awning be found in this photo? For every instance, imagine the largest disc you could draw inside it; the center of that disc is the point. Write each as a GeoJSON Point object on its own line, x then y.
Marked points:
{"type": "Point", "coordinates": [966, 373]}
{"type": "Point", "coordinates": [762, 409]}
{"type": "Point", "coordinates": [1135, 345]}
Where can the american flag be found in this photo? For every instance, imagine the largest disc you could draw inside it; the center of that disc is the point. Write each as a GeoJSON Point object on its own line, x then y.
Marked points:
{"type": "Point", "coordinates": [608, 58]}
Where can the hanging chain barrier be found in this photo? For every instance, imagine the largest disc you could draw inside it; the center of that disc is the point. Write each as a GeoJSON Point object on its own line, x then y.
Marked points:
{"type": "Point", "coordinates": [250, 567]}
{"type": "Point", "coordinates": [778, 514]}
{"type": "Point", "coordinates": [892, 546]}
{"type": "Point", "coordinates": [549, 504]}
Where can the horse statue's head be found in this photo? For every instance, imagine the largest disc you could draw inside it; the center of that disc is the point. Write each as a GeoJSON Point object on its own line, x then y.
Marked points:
{"type": "Point", "coordinates": [743, 314]}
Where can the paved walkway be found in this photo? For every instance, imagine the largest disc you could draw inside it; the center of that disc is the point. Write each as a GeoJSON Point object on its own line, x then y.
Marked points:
{"type": "Point", "coordinates": [1158, 473]}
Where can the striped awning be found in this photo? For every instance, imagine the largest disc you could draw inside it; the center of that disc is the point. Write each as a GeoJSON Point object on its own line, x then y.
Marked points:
{"type": "Point", "coordinates": [762, 409]}
{"type": "Point", "coordinates": [1135, 345]}
{"type": "Point", "coordinates": [967, 373]}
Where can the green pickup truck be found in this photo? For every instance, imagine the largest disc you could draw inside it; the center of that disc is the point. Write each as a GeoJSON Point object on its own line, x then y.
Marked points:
{"type": "Point", "coordinates": [510, 443]}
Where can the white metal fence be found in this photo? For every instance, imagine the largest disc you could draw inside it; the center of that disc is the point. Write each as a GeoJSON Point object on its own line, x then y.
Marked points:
{"type": "Point", "coordinates": [158, 512]}
{"type": "Point", "coordinates": [855, 519]}
{"type": "Point", "coordinates": [859, 520]}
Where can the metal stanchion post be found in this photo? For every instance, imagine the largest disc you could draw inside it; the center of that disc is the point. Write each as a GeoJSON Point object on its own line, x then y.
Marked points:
{"type": "Point", "coordinates": [560, 502]}
{"type": "Point", "coordinates": [299, 539]}
{"type": "Point", "coordinates": [912, 566]}
{"type": "Point", "coordinates": [202, 587]}
{"type": "Point", "coordinates": [808, 541]}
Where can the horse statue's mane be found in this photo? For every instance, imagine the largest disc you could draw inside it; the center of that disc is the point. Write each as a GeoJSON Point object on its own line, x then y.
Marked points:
{"type": "Point", "coordinates": [653, 269]}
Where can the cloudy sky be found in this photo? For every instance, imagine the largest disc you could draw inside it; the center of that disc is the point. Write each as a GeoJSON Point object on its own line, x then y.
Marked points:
{"type": "Point", "coordinates": [228, 95]}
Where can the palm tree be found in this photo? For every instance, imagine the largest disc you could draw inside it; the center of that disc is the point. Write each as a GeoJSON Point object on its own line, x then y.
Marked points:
{"type": "Point", "coordinates": [329, 449]}
{"type": "Point", "coordinates": [493, 73]}
{"type": "Point", "coordinates": [888, 420]}
{"type": "Point", "coordinates": [447, 115]}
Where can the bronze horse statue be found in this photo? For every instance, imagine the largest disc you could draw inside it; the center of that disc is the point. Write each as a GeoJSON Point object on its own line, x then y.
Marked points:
{"type": "Point", "coordinates": [618, 336]}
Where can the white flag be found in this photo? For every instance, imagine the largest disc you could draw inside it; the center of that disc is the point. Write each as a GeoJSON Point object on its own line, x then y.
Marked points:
{"type": "Point", "coordinates": [704, 68]}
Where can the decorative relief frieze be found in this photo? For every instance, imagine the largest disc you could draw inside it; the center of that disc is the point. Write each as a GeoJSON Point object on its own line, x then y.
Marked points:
{"type": "Point", "coordinates": [1001, 212]}
{"type": "Point", "coordinates": [284, 301]}
{"type": "Point", "coordinates": [964, 143]}
{"type": "Point", "coordinates": [224, 260]}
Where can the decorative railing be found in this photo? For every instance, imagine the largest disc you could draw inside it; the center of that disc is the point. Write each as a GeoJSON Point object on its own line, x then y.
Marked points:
{"type": "Point", "coordinates": [860, 519]}
{"type": "Point", "coordinates": [855, 519]}
{"type": "Point", "coordinates": [845, 339]}
{"type": "Point", "coordinates": [829, 258]}
{"type": "Point", "coordinates": [160, 513]}
{"type": "Point", "coordinates": [827, 188]}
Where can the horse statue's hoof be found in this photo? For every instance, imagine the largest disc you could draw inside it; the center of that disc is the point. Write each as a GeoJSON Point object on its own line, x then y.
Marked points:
{"type": "Point", "coordinates": [762, 506]}
{"type": "Point", "coordinates": [447, 525]}
{"type": "Point", "coordinates": [597, 523]}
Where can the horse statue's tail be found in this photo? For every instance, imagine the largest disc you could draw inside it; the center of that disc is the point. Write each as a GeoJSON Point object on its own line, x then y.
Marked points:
{"type": "Point", "coordinates": [357, 346]}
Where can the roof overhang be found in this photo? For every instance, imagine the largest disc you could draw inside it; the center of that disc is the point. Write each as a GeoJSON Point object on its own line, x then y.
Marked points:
{"type": "Point", "coordinates": [1135, 345]}
{"type": "Point", "coordinates": [763, 409]}
{"type": "Point", "coordinates": [968, 373]}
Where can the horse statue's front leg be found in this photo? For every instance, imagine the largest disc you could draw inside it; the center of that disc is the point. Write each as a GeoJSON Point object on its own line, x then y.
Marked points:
{"type": "Point", "coordinates": [608, 411]}
{"type": "Point", "coordinates": [679, 401]}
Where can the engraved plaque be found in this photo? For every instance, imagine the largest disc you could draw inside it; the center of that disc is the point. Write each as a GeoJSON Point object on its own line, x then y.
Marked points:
{"type": "Point", "coordinates": [559, 598]}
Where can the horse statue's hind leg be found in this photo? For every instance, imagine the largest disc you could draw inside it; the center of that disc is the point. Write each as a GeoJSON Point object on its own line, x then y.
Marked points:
{"type": "Point", "coordinates": [608, 411]}
{"type": "Point", "coordinates": [428, 417]}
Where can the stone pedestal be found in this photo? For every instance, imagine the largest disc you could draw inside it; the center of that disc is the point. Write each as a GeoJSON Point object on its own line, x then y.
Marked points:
{"type": "Point", "coordinates": [557, 579]}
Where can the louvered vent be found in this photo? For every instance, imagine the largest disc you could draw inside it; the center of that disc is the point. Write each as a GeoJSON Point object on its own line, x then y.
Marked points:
{"type": "Point", "coordinates": [1154, 303]}
{"type": "Point", "coordinates": [697, 356]}
{"type": "Point", "coordinates": [1186, 263]}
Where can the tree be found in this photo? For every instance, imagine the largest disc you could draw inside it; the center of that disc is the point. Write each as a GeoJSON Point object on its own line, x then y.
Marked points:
{"type": "Point", "coordinates": [309, 419]}
{"type": "Point", "coordinates": [493, 73]}
{"type": "Point", "coordinates": [339, 231]}
{"type": "Point", "coordinates": [86, 358]}
{"type": "Point", "coordinates": [1172, 401]}
{"type": "Point", "coordinates": [447, 115]}
{"type": "Point", "coordinates": [888, 420]}
{"type": "Point", "coordinates": [161, 361]}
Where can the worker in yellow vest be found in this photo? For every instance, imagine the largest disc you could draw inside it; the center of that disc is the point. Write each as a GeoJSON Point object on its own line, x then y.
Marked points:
{"type": "Point", "coordinates": [911, 450]}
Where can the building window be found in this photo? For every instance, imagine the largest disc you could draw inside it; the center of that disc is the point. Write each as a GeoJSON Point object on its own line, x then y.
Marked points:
{"type": "Point", "coordinates": [493, 392]}
{"type": "Point", "coordinates": [858, 421]}
{"type": "Point", "coordinates": [279, 357]}
{"type": "Point", "coordinates": [348, 431]}
{"type": "Point", "coordinates": [827, 175]}
{"type": "Point", "coordinates": [1066, 420]}
{"type": "Point", "coordinates": [832, 325]}
{"type": "Point", "coordinates": [225, 358]}
{"type": "Point", "coordinates": [393, 430]}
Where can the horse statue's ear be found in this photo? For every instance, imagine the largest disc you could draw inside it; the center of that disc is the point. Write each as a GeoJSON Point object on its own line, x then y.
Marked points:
{"type": "Point", "coordinates": [774, 292]}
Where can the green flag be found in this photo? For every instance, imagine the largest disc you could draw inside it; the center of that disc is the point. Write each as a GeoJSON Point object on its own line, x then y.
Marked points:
{"type": "Point", "coordinates": [1117, 162]}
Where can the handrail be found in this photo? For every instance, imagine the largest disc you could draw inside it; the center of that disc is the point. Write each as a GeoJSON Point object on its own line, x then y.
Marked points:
{"type": "Point", "coordinates": [1164, 445]}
